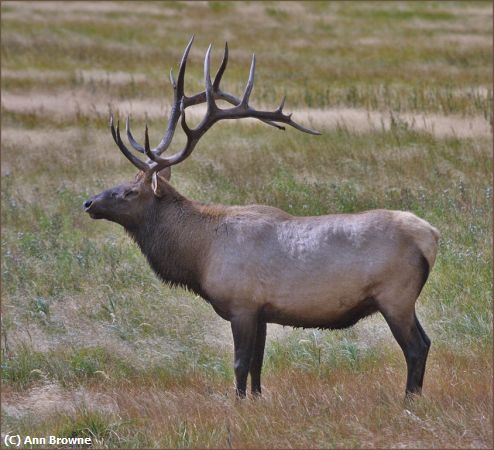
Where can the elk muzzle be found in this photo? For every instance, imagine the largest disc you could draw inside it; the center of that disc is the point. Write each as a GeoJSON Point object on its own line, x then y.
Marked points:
{"type": "Point", "coordinates": [91, 207]}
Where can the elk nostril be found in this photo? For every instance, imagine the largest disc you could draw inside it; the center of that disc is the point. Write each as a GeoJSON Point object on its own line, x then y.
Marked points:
{"type": "Point", "coordinates": [88, 203]}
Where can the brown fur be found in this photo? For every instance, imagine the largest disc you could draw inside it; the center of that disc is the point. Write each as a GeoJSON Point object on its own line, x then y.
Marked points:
{"type": "Point", "coordinates": [175, 236]}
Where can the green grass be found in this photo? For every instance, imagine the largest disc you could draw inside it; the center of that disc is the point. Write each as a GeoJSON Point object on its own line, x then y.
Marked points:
{"type": "Point", "coordinates": [130, 362]}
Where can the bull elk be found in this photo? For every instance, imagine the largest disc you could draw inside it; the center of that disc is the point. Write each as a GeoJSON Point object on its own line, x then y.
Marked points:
{"type": "Point", "coordinates": [257, 264]}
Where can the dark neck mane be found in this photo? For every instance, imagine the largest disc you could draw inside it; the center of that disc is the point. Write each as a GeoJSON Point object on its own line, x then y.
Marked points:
{"type": "Point", "coordinates": [175, 237]}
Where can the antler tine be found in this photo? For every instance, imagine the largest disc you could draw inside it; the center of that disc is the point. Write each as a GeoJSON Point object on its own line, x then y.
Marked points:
{"type": "Point", "coordinates": [116, 137]}
{"type": "Point", "coordinates": [221, 70]}
{"type": "Point", "coordinates": [172, 80]}
{"type": "Point", "coordinates": [147, 149]}
{"type": "Point", "coordinates": [282, 104]}
{"type": "Point", "coordinates": [131, 139]}
{"type": "Point", "coordinates": [250, 83]}
{"type": "Point", "coordinates": [207, 80]}
{"type": "Point", "coordinates": [185, 127]}
{"type": "Point", "coordinates": [179, 93]}
{"type": "Point", "coordinates": [299, 127]}
{"type": "Point", "coordinates": [146, 140]}
{"type": "Point", "coordinates": [276, 116]}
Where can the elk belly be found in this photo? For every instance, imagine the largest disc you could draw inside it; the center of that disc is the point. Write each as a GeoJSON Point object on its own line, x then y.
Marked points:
{"type": "Point", "coordinates": [321, 296]}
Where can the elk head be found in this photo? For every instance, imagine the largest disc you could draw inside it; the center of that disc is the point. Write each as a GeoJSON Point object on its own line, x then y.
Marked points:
{"type": "Point", "coordinates": [127, 203]}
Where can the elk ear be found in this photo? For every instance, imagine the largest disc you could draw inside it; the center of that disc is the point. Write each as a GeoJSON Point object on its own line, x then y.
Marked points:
{"type": "Point", "coordinates": [166, 173]}
{"type": "Point", "coordinates": [159, 182]}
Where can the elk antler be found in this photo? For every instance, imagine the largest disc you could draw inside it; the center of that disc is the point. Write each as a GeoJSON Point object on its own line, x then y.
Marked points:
{"type": "Point", "coordinates": [178, 91]}
{"type": "Point", "coordinates": [211, 93]}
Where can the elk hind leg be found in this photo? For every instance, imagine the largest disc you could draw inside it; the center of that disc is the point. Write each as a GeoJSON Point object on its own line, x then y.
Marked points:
{"type": "Point", "coordinates": [415, 346]}
{"type": "Point", "coordinates": [427, 343]}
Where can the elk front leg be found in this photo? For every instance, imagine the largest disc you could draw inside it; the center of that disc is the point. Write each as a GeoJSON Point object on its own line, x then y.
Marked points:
{"type": "Point", "coordinates": [244, 329]}
{"type": "Point", "coordinates": [256, 364]}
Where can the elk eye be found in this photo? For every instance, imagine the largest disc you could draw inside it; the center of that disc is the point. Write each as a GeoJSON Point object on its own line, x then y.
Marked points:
{"type": "Point", "coordinates": [130, 193]}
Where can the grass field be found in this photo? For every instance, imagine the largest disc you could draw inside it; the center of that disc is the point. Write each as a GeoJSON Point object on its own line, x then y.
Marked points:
{"type": "Point", "coordinates": [94, 345]}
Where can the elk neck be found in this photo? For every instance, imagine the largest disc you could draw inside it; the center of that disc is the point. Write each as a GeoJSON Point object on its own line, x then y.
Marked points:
{"type": "Point", "coordinates": [176, 237]}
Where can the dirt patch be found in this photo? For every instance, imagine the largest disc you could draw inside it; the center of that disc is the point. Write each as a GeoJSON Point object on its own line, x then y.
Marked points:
{"type": "Point", "coordinates": [465, 40]}
{"type": "Point", "coordinates": [110, 77]}
{"type": "Point", "coordinates": [35, 75]}
{"type": "Point", "coordinates": [84, 76]}
{"type": "Point", "coordinates": [94, 8]}
{"type": "Point", "coordinates": [71, 105]}
{"type": "Point", "coordinates": [50, 398]}
{"type": "Point", "coordinates": [462, 40]}
{"type": "Point", "coordinates": [370, 41]}
{"type": "Point", "coordinates": [361, 120]}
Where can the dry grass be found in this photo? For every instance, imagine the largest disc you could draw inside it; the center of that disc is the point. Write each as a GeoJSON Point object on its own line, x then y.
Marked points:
{"type": "Point", "coordinates": [93, 344]}
{"type": "Point", "coordinates": [79, 106]}
{"type": "Point", "coordinates": [345, 408]}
